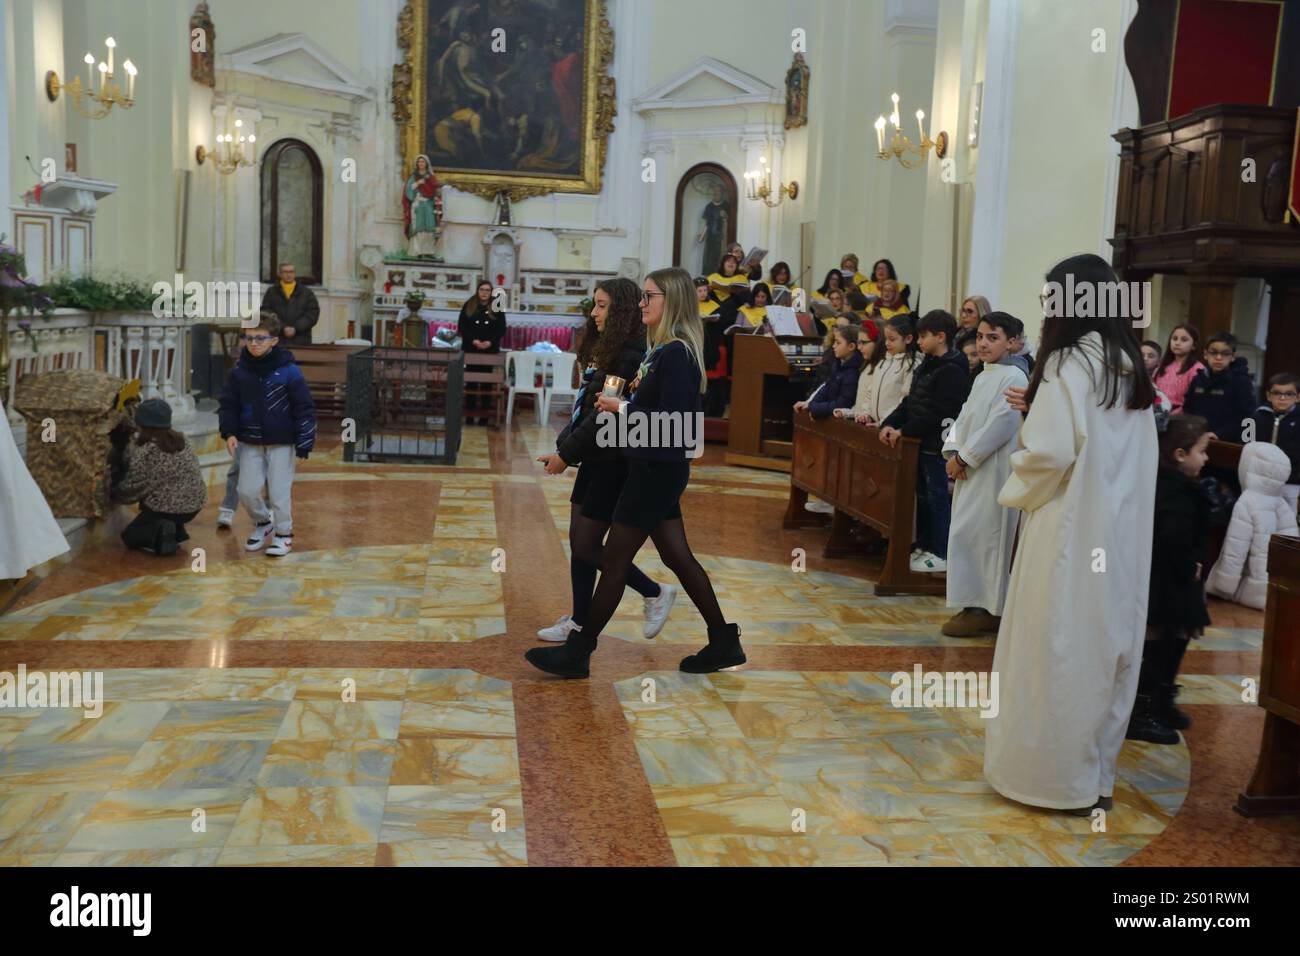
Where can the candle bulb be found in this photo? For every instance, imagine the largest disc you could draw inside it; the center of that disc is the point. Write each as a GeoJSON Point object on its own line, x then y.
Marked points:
{"type": "Point", "coordinates": [880, 133]}
{"type": "Point", "coordinates": [110, 43]}
{"type": "Point", "coordinates": [103, 76]}
{"type": "Point", "coordinates": [893, 117]}
{"type": "Point", "coordinates": [920, 117]}
{"type": "Point", "coordinates": [90, 71]}
{"type": "Point", "coordinates": [130, 79]}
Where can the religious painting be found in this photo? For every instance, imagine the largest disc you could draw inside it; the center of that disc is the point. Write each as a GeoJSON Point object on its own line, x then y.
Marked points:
{"type": "Point", "coordinates": [796, 93]}
{"type": "Point", "coordinates": [203, 39]}
{"type": "Point", "coordinates": [508, 96]}
{"type": "Point", "coordinates": [706, 218]}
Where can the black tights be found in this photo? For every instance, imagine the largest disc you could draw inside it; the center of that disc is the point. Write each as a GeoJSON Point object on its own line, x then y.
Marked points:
{"type": "Point", "coordinates": [616, 563]}
{"type": "Point", "coordinates": [586, 541]}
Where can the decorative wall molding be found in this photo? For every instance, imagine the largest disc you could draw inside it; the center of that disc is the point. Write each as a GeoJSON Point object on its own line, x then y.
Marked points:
{"type": "Point", "coordinates": [258, 59]}
{"type": "Point", "coordinates": [750, 90]}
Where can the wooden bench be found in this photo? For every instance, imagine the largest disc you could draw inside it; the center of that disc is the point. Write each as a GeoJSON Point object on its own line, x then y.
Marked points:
{"type": "Point", "coordinates": [485, 376]}
{"type": "Point", "coordinates": [846, 465]}
{"type": "Point", "coordinates": [325, 367]}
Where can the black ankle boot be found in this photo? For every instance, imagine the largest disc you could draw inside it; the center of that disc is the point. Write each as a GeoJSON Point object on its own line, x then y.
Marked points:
{"type": "Point", "coordinates": [166, 540]}
{"type": "Point", "coordinates": [1168, 711]}
{"type": "Point", "coordinates": [567, 660]}
{"type": "Point", "coordinates": [723, 650]}
{"type": "Point", "coordinates": [1143, 724]}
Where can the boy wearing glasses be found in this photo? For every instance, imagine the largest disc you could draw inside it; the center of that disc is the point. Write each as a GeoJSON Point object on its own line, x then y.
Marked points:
{"type": "Point", "coordinates": [1222, 392]}
{"type": "Point", "coordinates": [267, 418]}
{"type": "Point", "coordinates": [1278, 423]}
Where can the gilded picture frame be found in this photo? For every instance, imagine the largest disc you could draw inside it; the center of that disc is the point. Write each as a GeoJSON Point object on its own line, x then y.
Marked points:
{"type": "Point", "coordinates": [597, 110]}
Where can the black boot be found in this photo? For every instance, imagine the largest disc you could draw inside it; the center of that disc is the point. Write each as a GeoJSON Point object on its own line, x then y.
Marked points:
{"type": "Point", "coordinates": [567, 660]}
{"type": "Point", "coordinates": [167, 538]}
{"type": "Point", "coordinates": [1166, 710]}
{"type": "Point", "coordinates": [723, 650]}
{"type": "Point", "coordinates": [1143, 724]}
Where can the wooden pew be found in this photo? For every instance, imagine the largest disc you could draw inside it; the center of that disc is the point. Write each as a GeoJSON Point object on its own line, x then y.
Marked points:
{"type": "Point", "coordinates": [485, 375]}
{"type": "Point", "coordinates": [325, 367]}
{"type": "Point", "coordinates": [845, 464]}
{"type": "Point", "coordinates": [1275, 786]}
{"type": "Point", "coordinates": [769, 376]}
{"type": "Point", "coordinates": [1226, 455]}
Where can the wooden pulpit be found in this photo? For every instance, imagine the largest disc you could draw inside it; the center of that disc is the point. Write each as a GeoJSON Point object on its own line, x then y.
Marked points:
{"type": "Point", "coordinates": [769, 375]}
{"type": "Point", "coordinates": [1275, 787]}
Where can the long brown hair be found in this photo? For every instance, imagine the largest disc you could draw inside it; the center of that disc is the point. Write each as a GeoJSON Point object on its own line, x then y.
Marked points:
{"type": "Point", "coordinates": [1061, 334]}
{"type": "Point", "coordinates": [1169, 357]}
{"type": "Point", "coordinates": [622, 325]}
{"type": "Point", "coordinates": [167, 439]}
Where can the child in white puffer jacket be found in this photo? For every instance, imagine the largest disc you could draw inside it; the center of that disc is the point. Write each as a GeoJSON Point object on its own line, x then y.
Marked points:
{"type": "Point", "coordinates": [1241, 573]}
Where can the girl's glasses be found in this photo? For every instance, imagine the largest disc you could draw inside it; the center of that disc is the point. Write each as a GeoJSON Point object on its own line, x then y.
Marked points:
{"type": "Point", "coordinates": [647, 296]}
{"type": "Point", "coordinates": [258, 339]}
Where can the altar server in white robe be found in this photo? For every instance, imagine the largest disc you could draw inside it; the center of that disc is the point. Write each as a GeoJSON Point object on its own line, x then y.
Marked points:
{"type": "Point", "coordinates": [978, 448]}
{"type": "Point", "coordinates": [1070, 645]}
{"type": "Point", "coordinates": [29, 535]}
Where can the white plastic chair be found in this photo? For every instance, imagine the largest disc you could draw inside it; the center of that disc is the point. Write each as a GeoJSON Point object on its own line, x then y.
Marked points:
{"type": "Point", "coordinates": [560, 365]}
{"type": "Point", "coordinates": [521, 375]}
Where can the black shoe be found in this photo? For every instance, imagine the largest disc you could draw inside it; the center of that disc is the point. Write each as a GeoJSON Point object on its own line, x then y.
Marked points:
{"type": "Point", "coordinates": [1103, 803]}
{"type": "Point", "coordinates": [568, 660]}
{"type": "Point", "coordinates": [1166, 710]}
{"type": "Point", "coordinates": [723, 651]}
{"type": "Point", "coordinates": [167, 538]}
{"type": "Point", "coordinates": [1145, 725]}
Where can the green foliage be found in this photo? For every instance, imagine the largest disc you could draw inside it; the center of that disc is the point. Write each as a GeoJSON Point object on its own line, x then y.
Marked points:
{"type": "Point", "coordinates": [111, 292]}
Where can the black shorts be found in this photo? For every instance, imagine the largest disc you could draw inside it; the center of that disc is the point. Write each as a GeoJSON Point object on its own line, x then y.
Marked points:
{"type": "Point", "coordinates": [597, 487]}
{"type": "Point", "coordinates": [652, 492]}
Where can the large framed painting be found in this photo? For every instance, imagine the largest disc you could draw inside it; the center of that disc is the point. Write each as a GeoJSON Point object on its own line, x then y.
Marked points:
{"type": "Point", "coordinates": [507, 96]}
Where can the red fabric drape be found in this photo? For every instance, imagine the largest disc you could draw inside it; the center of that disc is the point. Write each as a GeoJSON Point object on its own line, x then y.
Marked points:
{"type": "Point", "coordinates": [1223, 53]}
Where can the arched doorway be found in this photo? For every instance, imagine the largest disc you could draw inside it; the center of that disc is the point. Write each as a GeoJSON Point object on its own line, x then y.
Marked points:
{"type": "Point", "coordinates": [292, 211]}
{"type": "Point", "coordinates": [705, 218]}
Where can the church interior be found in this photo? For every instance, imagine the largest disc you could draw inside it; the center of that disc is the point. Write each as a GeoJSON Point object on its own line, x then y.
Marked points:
{"type": "Point", "coordinates": [394, 223]}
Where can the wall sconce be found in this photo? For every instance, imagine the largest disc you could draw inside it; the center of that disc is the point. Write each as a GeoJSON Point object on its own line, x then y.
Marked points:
{"type": "Point", "coordinates": [758, 186]}
{"type": "Point", "coordinates": [901, 148]}
{"type": "Point", "coordinates": [232, 151]}
{"type": "Point", "coordinates": [973, 124]}
{"type": "Point", "coordinates": [109, 95]}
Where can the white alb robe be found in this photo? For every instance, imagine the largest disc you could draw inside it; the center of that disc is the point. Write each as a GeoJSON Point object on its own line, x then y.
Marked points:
{"type": "Point", "coordinates": [1070, 644]}
{"type": "Point", "coordinates": [29, 535]}
{"type": "Point", "coordinates": [982, 530]}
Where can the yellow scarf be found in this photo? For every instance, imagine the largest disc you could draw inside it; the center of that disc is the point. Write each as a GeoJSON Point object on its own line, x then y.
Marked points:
{"type": "Point", "coordinates": [288, 287]}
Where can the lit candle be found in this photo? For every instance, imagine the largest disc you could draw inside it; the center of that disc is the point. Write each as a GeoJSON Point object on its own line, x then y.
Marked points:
{"type": "Point", "coordinates": [110, 43]}
{"type": "Point", "coordinates": [90, 74]}
{"type": "Point", "coordinates": [130, 79]}
{"type": "Point", "coordinates": [103, 76]}
{"type": "Point", "coordinates": [880, 133]}
{"type": "Point", "coordinates": [920, 117]}
{"type": "Point", "coordinates": [893, 117]}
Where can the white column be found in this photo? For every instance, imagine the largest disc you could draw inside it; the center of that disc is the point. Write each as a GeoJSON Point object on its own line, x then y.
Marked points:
{"type": "Point", "coordinates": [657, 205]}
{"type": "Point", "coordinates": [988, 225]}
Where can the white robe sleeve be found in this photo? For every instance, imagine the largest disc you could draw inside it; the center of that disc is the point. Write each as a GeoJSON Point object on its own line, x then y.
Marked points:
{"type": "Point", "coordinates": [999, 427]}
{"type": "Point", "coordinates": [1051, 437]}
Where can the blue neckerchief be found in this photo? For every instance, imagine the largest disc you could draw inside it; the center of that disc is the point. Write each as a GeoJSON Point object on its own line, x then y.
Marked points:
{"type": "Point", "coordinates": [582, 394]}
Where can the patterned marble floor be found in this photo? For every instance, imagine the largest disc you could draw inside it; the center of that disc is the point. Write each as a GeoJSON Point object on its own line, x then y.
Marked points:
{"type": "Point", "coordinates": [416, 589]}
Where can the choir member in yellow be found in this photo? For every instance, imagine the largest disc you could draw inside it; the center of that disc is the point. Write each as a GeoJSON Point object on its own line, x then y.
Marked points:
{"type": "Point", "coordinates": [881, 271]}
{"type": "Point", "coordinates": [756, 311]}
{"type": "Point", "coordinates": [727, 280]}
{"type": "Point", "coordinates": [833, 282]}
{"type": "Point", "coordinates": [849, 270]}
{"type": "Point", "coordinates": [781, 283]}
{"type": "Point", "coordinates": [890, 302]}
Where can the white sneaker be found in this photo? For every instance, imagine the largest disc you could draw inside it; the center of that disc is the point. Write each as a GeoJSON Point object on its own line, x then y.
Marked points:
{"type": "Point", "coordinates": [280, 546]}
{"type": "Point", "coordinates": [226, 518]}
{"type": "Point", "coordinates": [928, 563]}
{"type": "Point", "coordinates": [657, 608]}
{"type": "Point", "coordinates": [258, 538]}
{"type": "Point", "coordinates": [818, 507]}
{"type": "Point", "coordinates": [559, 631]}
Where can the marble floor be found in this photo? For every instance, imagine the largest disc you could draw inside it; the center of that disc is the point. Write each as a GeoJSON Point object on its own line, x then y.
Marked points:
{"type": "Point", "coordinates": [364, 700]}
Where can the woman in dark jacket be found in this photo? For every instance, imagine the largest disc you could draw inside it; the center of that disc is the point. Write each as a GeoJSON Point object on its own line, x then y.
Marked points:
{"type": "Point", "coordinates": [841, 387]}
{"type": "Point", "coordinates": [614, 345]}
{"type": "Point", "coordinates": [481, 329]}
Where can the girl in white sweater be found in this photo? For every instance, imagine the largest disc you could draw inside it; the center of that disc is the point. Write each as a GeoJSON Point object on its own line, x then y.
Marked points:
{"type": "Point", "coordinates": [887, 375]}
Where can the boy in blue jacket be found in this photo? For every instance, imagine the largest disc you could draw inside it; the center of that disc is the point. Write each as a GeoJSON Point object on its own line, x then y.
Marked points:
{"type": "Point", "coordinates": [267, 418]}
{"type": "Point", "coordinates": [1222, 393]}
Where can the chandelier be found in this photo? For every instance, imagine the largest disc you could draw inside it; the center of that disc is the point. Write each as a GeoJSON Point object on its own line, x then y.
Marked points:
{"type": "Point", "coordinates": [758, 185]}
{"type": "Point", "coordinates": [233, 150]}
{"type": "Point", "coordinates": [89, 102]}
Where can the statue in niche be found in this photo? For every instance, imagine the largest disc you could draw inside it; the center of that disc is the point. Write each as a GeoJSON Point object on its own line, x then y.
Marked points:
{"type": "Point", "coordinates": [202, 46]}
{"type": "Point", "coordinates": [422, 210]}
{"type": "Point", "coordinates": [503, 209]}
{"type": "Point", "coordinates": [713, 223]}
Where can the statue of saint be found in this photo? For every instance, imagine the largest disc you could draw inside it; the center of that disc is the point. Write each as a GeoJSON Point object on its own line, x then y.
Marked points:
{"type": "Point", "coordinates": [420, 210]}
